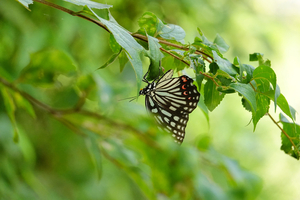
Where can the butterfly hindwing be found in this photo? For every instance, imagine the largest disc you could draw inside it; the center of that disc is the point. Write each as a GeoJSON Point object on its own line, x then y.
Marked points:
{"type": "Point", "coordinates": [168, 120]}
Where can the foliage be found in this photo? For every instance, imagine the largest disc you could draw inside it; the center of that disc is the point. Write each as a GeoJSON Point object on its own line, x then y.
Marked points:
{"type": "Point", "coordinates": [52, 84]}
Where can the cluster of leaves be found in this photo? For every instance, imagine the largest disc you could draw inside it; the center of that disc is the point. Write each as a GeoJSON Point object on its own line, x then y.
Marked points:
{"type": "Point", "coordinates": [156, 165]}
{"type": "Point", "coordinates": [257, 86]}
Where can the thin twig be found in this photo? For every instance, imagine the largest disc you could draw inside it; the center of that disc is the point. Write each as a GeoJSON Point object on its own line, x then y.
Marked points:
{"type": "Point", "coordinates": [286, 135]}
{"type": "Point", "coordinates": [277, 124]}
{"type": "Point", "coordinates": [71, 12]}
{"type": "Point", "coordinates": [135, 35]}
{"type": "Point", "coordinates": [252, 86]}
{"type": "Point", "coordinates": [173, 55]}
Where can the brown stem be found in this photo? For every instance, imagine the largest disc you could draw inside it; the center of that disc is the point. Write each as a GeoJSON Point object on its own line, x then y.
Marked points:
{"type": "Point", "coordinates": [137, 36]}
{"type": "Point", "coordinates": [145, 39]}
{"type": "Point", "coordinates": [252, 86]}
{"type": "Point", "coordinates": [71, 12]}
{"type": "Point", "coordinates": [286, 135]}
{"type": "Point", "coordinates": [173, 55]}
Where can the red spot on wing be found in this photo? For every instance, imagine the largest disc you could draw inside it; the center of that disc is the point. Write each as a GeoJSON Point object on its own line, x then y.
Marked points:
{"type": "Point", "coordinates": [183, 87]}
{"type": "Point", "coordinates": [183, 79]}
{"type": "Point", "coordinates": [185, 93]}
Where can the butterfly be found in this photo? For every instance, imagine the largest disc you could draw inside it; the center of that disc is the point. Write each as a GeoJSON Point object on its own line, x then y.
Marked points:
{"type": "Point", "coordinates": [171, 100]}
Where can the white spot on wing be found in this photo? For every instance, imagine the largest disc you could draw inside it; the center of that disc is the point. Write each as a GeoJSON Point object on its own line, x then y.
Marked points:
{"type": "Point", "coordinates": [166, 113]}
{"type": "Point", "coordinates": [166, 119]}
{"type": "Point", "coordinates": [172, 108]}
{"type": "Point", "coordinates": [154, 110]}
{"type": "Point", "coordinates": [151, 102]}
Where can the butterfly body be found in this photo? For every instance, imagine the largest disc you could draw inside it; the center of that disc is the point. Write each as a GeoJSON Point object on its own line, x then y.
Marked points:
{"type": "Point", "coordinates": [171, 100]}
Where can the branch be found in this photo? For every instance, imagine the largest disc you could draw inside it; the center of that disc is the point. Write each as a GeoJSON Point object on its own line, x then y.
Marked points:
{"type": "Point", "coordinates": [277, 124]}
{"type": "Point", "coordinates": [135, 35]}
{"type": "Point", "coordinates": [58, 113]}
{"type": "Point", "coordinates": [73, 13]}
{"type": "Point", "coordinates": [178, 58]}
{"type": "Point", "coordinates": [286, 135]}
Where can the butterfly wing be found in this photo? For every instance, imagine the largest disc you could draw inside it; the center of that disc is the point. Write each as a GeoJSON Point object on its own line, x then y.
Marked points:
{"type": "Point", "coordinates": [171, 102]}
{"type": "Point", "coordinates": [177, 94]}
{"type": "Point", "coordinates": [170, 121]}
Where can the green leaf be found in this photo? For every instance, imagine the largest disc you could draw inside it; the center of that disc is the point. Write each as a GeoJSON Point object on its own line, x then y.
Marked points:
{"type": "Point", "coordinates": [247, 91]}
{"type": "Point", "coordinates": [121, 153]}
{"type": "Point", "coordinates": [224, 78]}
{"type": "Point", "coordinates": [204, 143]}
{"type": "Point", "coordinates": [246, 105]}
{"type": "Point", "coordinates": [259, 57]}
{"type": "Point", "coordinates": [285, 107]}
{"type": "Point", "coordinates": [148, 24]}
{"type": "Point", "coordinates": [221, 44]}
{"type": "Point", "coordinates": [155, 56]}
{"type": "Point", "coordinates": [45, 66]}
{"type": "Point", "coordinates": [110, 60]}
{"type": "Point", "coordinates": [263, 105]}
{"type": "Point", "coordinates": [10, 109]}
{"type": "Point", "coordinates": [202, 106]}
{"type": "Point", "coordinates": [89, 3]}
{"type": "Point", "coordinates": [178, 65]}
{"type": "Point", "coordinates": [206, 189]}
{"type": "Point", "coordinates": [276, 95]}
{"type": "Point", "coordinates": [95, 152]}
{"type": "Point", "coordinates": [263, 102]}
{"type": "Point", "coordinates": [246, 71]}
{"type": "Point", "coordinates": [114, 45]}
{"type": "Point", "coordinates": [87, 85]}
{"type": "Point", "coordinates": [283, 104]}
{"type": "Point", "coordinates": [255, 56]}
{"type": "Point", "coordinates": [212, 97]}
{"type": "Point", "coordinates": [26, 3]}
{"type": "Point", "coordinates": [204, 40]}
{"type": "Point", "coordinates": [213, 68]}
{"type": "Point", "coordinates": [249, 72]}
{"type": "Point", "coordinates": [293, 131]}
{"type": "Point", "coordinates": [21, 102]}
{"type": "Point", "coordinates": [133, 49]}
{"type": "Point", "coordinates": [172, 32]}
{"type": "Point", "coordinates": [224, 64]}
{"type": "Point", "coordinates": [154, 49]}
{"type": "Point", "coordinates": [206, 46]}
{"type": "Point", "coordinates": [5, 74]}
{"type": "Point", "coordinates": [123, 59]}
{"type": "Point", "coordinates": [198, 65]}
{"type": "Point", "coordinates": [265, 72]}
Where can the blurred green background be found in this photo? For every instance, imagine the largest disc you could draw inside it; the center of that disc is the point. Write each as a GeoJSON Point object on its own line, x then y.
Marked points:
{"type": "Point", "coordinates": [52, 161]}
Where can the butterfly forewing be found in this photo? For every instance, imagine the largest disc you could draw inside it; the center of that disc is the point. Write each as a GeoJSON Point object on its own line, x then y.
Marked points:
{"type": "Point", "coordinates": [178, 94]}
{"type": "Point", "coordinates": [171, 101]}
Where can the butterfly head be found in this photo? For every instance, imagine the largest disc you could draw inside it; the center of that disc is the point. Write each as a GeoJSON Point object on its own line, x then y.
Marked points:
{"type": "Point", "coordinates": [146, 90]}
{"type": "Point", "coordinates": [142, 91]}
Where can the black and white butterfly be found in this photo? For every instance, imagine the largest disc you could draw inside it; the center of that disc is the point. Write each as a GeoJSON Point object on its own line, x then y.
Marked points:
{"type": "Point", "coordinates": [171, 100]}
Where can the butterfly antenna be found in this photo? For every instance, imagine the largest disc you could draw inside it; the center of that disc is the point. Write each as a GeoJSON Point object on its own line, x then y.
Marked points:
{"type": "Point", "coordinates": [131, 98]}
